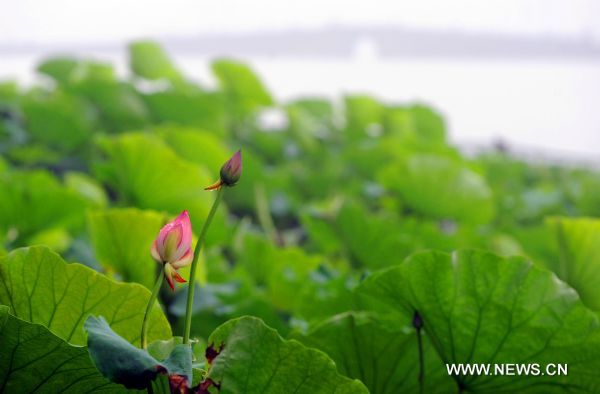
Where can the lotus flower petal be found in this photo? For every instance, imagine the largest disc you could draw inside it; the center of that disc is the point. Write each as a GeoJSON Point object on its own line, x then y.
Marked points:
{"type": "Point", "coordinates": [174, 241]}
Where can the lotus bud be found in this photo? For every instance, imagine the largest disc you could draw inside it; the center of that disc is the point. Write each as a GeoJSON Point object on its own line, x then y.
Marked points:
{"type": "Point", "coordinates": [417, 321]}
{"type": "Point", "coordinates": [230, 172]}
{"type": "Point", "coordinates": [173, 247]}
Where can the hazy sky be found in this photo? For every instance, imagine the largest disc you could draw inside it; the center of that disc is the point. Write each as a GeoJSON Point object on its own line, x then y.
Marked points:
{"type": "Point", "coordinates": [78, 21]}
{"type": "Point", "coordinates": [546, 103]}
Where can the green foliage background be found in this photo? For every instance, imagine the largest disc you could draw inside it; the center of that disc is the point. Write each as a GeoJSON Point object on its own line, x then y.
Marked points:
{"type": "Point", "coordinates": [327, 238]}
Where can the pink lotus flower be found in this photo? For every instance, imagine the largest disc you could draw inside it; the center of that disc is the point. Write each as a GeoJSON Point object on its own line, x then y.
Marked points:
{"type": "Point", "coordinates": [173, 247]}
{"type": "Point", "coordinates": [230, 172]}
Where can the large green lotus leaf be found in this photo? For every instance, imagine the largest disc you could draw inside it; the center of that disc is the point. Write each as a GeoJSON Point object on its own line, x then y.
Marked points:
{"type": "Point", "coordinates": [291, 271]}
{"type": "Point", "coordinates": [333, 292]}
{"type": "Point", "coordinates": [35, 360]}
{"type": "Point", "coordinates": [321, 231]}
{"type": "Point", "coordinates": [526, 193]}
{"type": "Point", "coordinates": [146, 173]}
{"type": "Point", "coordinates": [428, 123]}
{"type": "Point", "coordinates": [244, 92]}
{"type": "Point", "coordinates": [418, 125]}
{"type": "Point", "coordinates": [379, 239]}
{"type": "Point", "coordinates": [309, 119]}
{"type": "Point", "coordinates": [274, 146]}
{"type": "Point", "coordinates": [289, 185]}
{"type": "Point", "coordinates": [478, 307]}
{"type": "Point", "coordinates": [40, 287]}
{"type": "Point", "coordinates": [198, 146]}
{"type": "Point", "coordinates": [578, 261]}
{"type": "Point", "coordinates": [9, 92]}
{"type": "Point", "coordinates": [91, 69]}
{"type": "Point", "coordinates": [253, 358]}
{"type": "Point", "coordinates": [384, 360]}
{"type": "Point", "coordinates": [59, 68]}
{"type": "Point", "coordinates": [538, 242]}
{"type": "Point", "coordinates": [358, 158]}
{"type": "Point", "coordinates": [231, 293]}
{"type": "Point", "coordinates": [122, 238]}
{"type": "Point", "coordinates": [440, 187]}
{"type": "Point", "coordinates": [3, 166]}
{"type": "Point", "coordinates": [538, 202]}
{"type": "Point", "coordinates": [32, 201]}
{"type": "Point", "coordinates": [364, 116]}
{"type": "Point", "coordinates": [34, 155]}
{"type": "Point", "coordinates": [58, 120]}
{"type": "Point", "coordinates": [119, 104]}
{"type": "Point", "coordinates": [149, 60]}
{"type": "Point", "coordinates": [370, 239]}
{"type": "Point", "coordinates": [368, 158]}
{"type": "Point", "coordinates": [375, 240]}
{"type": "Point", "coordinates": [216, 304]}
{"type": "Point", "coordinates": [189, 107]}
{"type": "Point", "coordinates": [586, 191]}
{"type": "Point", "coordinates": [87, 187]}
{"type": "Point", "coordinates": [57, 239]}
{"type": "Point", "coordinates": [282, 272]}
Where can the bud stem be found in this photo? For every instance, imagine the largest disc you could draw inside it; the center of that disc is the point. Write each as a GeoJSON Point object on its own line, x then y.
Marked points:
{"type": "Point", "coordinates": [153, 296]}
{"type": "Point", "coordinates": [192, 280]}
{"type": "Point", "coordinates": [418, 325]}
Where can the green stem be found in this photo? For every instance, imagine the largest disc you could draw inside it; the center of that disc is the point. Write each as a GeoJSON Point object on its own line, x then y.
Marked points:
{"type": "Point", "coordinates": [418, 325]}
{"type": "Point", "coordinates": [153, 296]}
{"type": "Point", "coordinates": [264, 216]}
{"type": "Point", "coordinates": [421, 362]}
{"type": "Point", "coordinates": [190, 296]}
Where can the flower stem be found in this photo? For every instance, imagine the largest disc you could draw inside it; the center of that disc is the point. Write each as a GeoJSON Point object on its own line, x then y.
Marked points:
{"type": "Point", "coordinates": [190, 296]}
{"type": "Point", "coordinates": [418, 325]}
{"type": "Point", "coordinates": [153, 296]}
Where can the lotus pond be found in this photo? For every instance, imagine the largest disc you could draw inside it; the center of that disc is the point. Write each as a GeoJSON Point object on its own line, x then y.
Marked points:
{"type": "Point", "coordinates": [355, 250]}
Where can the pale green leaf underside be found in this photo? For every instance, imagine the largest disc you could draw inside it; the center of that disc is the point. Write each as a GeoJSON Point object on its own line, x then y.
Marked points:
{"type": "Point", "coordinates": [121, 362]}
{"type": "Point", "coordinates": [40, 287]}
{"type": "Point", "coordinates": [255, 359]}
{"type": "Point", "coordinates": [579, 259]}
{"type": "Point", "coordinates": [480, 308]}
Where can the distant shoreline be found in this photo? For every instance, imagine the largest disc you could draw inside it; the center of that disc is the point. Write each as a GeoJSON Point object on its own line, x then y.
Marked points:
{"type": "Point", "coordinates": [340, 42]}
